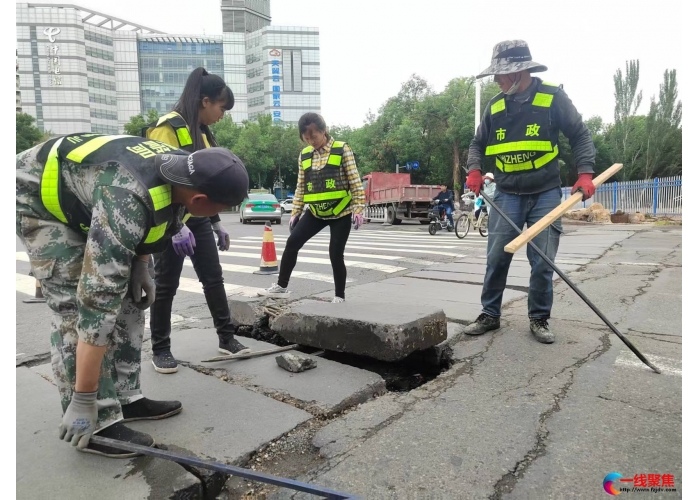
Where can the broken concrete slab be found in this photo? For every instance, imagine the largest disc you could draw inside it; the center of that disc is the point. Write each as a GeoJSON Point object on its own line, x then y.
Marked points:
{"type": "Point", "coordinates": [375, 329]}
{"type": "Point", "coordinates": [215, 420]}
{"type": "Point", "coordinates": [47, 467]}
{"type": "Point", "coordinates": [461, 303]}
{"type": "Point", "coordinates": [439, 355]}
{"type": "Point", "coordinates": [294, 363]}
{"type": "Point", "coordinates": [246, 311]}
{"type": "Point", "coordinates": [331, 388]}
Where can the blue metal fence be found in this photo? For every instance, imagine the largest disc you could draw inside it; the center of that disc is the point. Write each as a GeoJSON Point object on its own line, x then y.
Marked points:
{"type": "Point", "coordinates": [660, 196]}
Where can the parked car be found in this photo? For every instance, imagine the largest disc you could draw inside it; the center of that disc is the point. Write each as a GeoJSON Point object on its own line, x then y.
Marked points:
{"type": "Point", "coordinates": [260, 206]}
{"type": "Point", "coordinates": [287, 205]}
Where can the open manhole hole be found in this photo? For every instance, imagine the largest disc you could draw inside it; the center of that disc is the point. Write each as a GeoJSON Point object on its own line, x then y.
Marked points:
{"type": "Point", "coordinates": [399, 376]}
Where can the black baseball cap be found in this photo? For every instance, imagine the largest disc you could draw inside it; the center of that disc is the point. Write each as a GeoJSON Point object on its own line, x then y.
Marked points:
{"type": "Point", "coordinates": [216, 172]}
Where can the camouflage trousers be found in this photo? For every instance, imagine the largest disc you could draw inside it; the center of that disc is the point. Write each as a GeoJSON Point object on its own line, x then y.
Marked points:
{"type": "Point", "coordinates": [56, 256]}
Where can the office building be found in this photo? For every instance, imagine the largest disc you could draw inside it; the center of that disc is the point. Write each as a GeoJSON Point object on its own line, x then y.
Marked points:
{"type": "Point", "coordinates": [18, 93]}
{"type": "Point", "coordinates": [81, 70]}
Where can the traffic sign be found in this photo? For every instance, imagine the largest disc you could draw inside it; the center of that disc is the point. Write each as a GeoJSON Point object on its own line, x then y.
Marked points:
{"type": "Point", "coordinates": [415, 165]}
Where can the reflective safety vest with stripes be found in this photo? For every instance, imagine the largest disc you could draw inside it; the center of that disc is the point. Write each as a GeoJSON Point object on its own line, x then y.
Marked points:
{"type": "Point", "coordinates": [521, 141]}
{"type": "Point", "coordinates": [182, 131]}
{"type": "Point", "coordinates": [178, 124]}
{"type": "Point", "coordinates": [135, 154]}
{"type": "Point", "coordinates": [324, 190]}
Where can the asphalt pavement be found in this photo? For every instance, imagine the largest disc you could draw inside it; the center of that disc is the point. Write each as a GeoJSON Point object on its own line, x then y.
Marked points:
{"type": "Point", "coordinates": [511, 418]}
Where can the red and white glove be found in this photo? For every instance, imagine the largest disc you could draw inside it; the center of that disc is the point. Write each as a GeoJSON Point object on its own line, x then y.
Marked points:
{"type": "Point", "coordinates": [474, 181]}
{"type": "Point", "coordinates": [585, 183]}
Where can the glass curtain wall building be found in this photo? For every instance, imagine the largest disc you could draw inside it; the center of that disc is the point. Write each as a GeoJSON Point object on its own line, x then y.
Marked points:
{"type": "Point", "coordinates": [165, 62]}
{"type": "Point", "coordinates": [80, 70]}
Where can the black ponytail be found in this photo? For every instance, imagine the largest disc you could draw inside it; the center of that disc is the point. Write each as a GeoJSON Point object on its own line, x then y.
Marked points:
{"type": "Point", "coordinates": [201, 84]}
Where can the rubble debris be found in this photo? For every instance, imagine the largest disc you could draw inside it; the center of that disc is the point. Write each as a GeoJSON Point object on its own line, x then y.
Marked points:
{"type": "Point", "coordinates": [295, 363]}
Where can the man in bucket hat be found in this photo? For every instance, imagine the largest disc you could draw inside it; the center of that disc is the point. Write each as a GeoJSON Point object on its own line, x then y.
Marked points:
{"type": "Point", "coordinates": [520, 130]}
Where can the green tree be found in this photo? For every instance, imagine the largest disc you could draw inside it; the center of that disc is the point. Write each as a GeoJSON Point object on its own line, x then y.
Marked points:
{"type": "Point", "coordinates": [226, 132]}
{"type": "Point", "coordinates": [27, 134]}
{"type": "Point", "coordinates": [285, 147]}
{"type": "Point", "coordinates": [663, 128]}
{"type": "Point", "coordinates": [137, 122]}
{"type": "Point", "coordinates": [340, 132]}
{"type": "Point", "coordinates": [627, 101]}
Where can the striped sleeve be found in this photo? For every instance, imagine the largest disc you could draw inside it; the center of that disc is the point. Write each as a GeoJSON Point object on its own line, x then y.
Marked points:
{"type": "Point", "coordinates": [298, 203]}
{"type": "Point", "coordinates": [354, 180]}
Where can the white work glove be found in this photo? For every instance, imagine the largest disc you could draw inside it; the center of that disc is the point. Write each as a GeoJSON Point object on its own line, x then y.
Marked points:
{"type": "Point", "coordinates": [79, 420]}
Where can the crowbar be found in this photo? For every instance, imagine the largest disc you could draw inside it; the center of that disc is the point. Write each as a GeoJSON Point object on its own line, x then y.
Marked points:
{"type": "Point", "coordinates": [224, 468]}
{"type": "Point", "coordinates": [574, 287]}
{"type": "Point", "coordinates": [248, 355]}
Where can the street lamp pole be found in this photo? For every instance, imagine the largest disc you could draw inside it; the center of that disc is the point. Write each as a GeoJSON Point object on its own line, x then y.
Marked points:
{"type": "Point", "coordinates": [477, 104]}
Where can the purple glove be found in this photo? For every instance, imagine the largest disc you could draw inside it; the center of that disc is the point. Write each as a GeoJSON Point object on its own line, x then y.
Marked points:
{"type": "Point", "coordinates": [222, 235]}
{"type": "Point", "coordinates": [183, 242]}
{"type": "Point", "coordinates": [357, 220]}
{"type": "Point", "coordinates": [293, 222]}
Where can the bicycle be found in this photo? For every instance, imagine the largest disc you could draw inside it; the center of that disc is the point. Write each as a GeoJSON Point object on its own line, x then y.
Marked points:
{"type": "Point", "coordinates": [466, 220]}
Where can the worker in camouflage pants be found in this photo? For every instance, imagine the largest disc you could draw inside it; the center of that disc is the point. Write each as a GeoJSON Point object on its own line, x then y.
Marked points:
{"type": "Point", "coordinates": [90, 210]}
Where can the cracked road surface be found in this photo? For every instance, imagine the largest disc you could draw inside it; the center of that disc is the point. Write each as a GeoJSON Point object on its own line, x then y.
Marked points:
{"type": "Point", "coordinates": [515, 419]}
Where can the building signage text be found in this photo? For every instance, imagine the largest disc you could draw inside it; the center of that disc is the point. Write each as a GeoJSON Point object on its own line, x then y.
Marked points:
{"type": "Point", "coordinates": [53, 63]}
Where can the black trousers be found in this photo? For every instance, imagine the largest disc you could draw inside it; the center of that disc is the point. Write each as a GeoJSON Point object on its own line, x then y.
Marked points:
{"type": "Point", "coordinates": [206, 265]}
{"type": "Point", "coordinates": [307, 227]}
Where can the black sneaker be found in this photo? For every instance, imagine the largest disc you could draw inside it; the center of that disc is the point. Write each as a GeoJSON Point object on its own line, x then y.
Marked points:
{"type": "Point", "coordinates": [540, 329]}
{"type": "Point", "coordinates": [232, 346]}
{"type": "Point", "coordinates": [164, 362]}
{"type": "Point", "coordinates": [484, 323]}
{"type": "Point", "coordinates": [148, 409]}
{"type": "Point", "coordinates": [120, 432]}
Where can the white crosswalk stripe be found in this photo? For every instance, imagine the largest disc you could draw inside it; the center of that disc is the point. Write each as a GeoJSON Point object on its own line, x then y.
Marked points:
{"type": "Point", "coordinates": [347, 254]}
{"type": "Point", "coordinates": [315, 260]}
{"type": "Point", "coordinates": [194, 286]}
{"type": "Point", "coordinates": [25, 284]}
{"type": "Point", "coordinates": [392, 244]}
{"type": "Point", "coordinates": [386, 252]}
{"type": "Point", "coordinates": [234, 268]}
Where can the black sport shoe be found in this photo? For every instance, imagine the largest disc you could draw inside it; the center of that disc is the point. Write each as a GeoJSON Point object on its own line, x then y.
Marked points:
{"type": "Point", "coordinates": [164, 362]}
{"type": "Point", "coordinates": [120, 432]}
{"type": "Point", "coordinates": [232, 346]}
{"type": "Point", "coordinates": [484, 323]}
{"type": "Point", "coordinates": [148, 409]}
{"type": "Point", "coordinates": [540, 329]}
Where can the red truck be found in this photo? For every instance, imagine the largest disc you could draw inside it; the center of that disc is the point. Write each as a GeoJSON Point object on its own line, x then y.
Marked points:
{"type": "Point", "coordinates": [395, 194]}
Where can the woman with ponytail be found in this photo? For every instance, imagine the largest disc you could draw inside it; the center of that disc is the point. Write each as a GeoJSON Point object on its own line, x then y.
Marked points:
{"type": "Point", "coordinates": [203, 102]}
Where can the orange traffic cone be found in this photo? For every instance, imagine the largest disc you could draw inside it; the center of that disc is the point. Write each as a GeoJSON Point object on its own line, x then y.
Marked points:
{"type": "Point", "coordinates": [268, 259]}
{"type": "Point", "coordinates": [38, 296]}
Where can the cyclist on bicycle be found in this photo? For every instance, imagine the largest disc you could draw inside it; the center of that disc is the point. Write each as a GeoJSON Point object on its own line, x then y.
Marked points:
{"type": "Point", "coordinates": [446, 202]}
